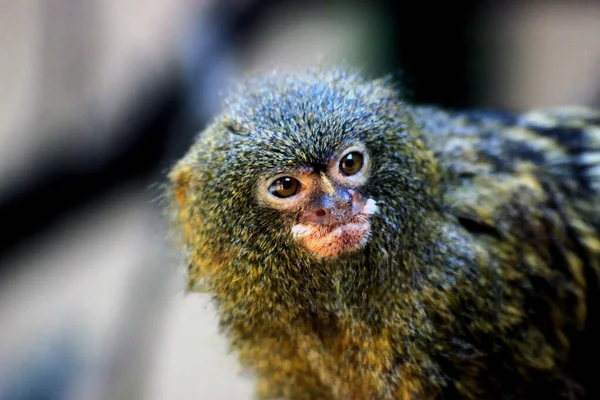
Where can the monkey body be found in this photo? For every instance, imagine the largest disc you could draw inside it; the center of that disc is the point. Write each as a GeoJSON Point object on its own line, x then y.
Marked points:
{"type": "Point", "coordinates": [460, 261]}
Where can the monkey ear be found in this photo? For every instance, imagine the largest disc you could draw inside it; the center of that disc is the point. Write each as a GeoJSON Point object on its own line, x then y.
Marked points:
{"type": "Point", "coordinates": [181, 176]}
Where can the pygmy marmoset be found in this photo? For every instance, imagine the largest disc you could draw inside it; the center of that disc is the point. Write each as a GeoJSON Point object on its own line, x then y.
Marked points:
{"type": "Point", "coordinates": [359, 247]}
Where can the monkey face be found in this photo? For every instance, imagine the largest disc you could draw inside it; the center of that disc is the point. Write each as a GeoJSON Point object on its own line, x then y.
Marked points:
{"type": "Point", "coordinates": [332, 212]}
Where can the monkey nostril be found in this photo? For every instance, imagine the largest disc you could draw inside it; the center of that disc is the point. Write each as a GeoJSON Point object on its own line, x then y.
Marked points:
{"type": "Point", "coordinates": [320, 213]}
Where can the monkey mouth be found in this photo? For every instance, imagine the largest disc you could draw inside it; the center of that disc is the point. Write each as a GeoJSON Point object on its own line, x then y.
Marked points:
{"type": "Point", "coordinates": [337, 237]}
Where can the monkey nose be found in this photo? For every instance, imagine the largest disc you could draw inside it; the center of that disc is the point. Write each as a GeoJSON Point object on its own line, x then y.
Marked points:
{"type": "Point", "coordinates": [328, 208]}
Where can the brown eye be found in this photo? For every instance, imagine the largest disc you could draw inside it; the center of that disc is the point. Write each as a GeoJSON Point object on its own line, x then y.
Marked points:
{"type": "Point", "coordinates": [284, 187]}
{"type": "Point", "coordinates": [351, 163]}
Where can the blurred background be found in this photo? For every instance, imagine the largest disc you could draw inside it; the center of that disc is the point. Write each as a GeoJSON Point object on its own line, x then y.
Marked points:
{"type": "Point", "coordinates": [99, 97]}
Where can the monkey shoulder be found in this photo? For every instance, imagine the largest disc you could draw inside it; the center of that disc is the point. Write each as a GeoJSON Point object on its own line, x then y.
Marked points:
{"type": "Point", "coordinates": [498, 159]}
{"type": "Point", "coordinates": [526, 188]}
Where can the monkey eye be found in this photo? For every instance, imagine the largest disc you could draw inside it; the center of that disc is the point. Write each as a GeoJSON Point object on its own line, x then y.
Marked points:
{"type": "Point", "coordinates": [351, 163]}
{"type": "Point", "coordinates": [285, 186]}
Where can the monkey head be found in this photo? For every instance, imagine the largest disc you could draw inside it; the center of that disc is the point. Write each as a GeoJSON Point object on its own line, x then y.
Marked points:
{"type": "Point", "coordinates": [305, 169]}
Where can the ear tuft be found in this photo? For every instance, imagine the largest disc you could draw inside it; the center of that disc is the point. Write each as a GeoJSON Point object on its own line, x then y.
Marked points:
{"type": "Point", "coordinates": [181, 177]}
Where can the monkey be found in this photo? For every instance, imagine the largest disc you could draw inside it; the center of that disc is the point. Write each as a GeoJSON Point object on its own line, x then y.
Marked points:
{"type": "Point", "coordinates": [358, 246]}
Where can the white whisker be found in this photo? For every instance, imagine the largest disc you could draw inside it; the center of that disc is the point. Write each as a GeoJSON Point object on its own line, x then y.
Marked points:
{"type": "Point", "coordinates": [362, 218]}
{"type": "Point", "coordinates": [302, 230]}
{"type": "Point", "coordinates": [370, 207]}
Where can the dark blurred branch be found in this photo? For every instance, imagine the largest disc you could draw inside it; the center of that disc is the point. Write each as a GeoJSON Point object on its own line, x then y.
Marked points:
{"type": "Point", "coordinates": [61, 188]}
